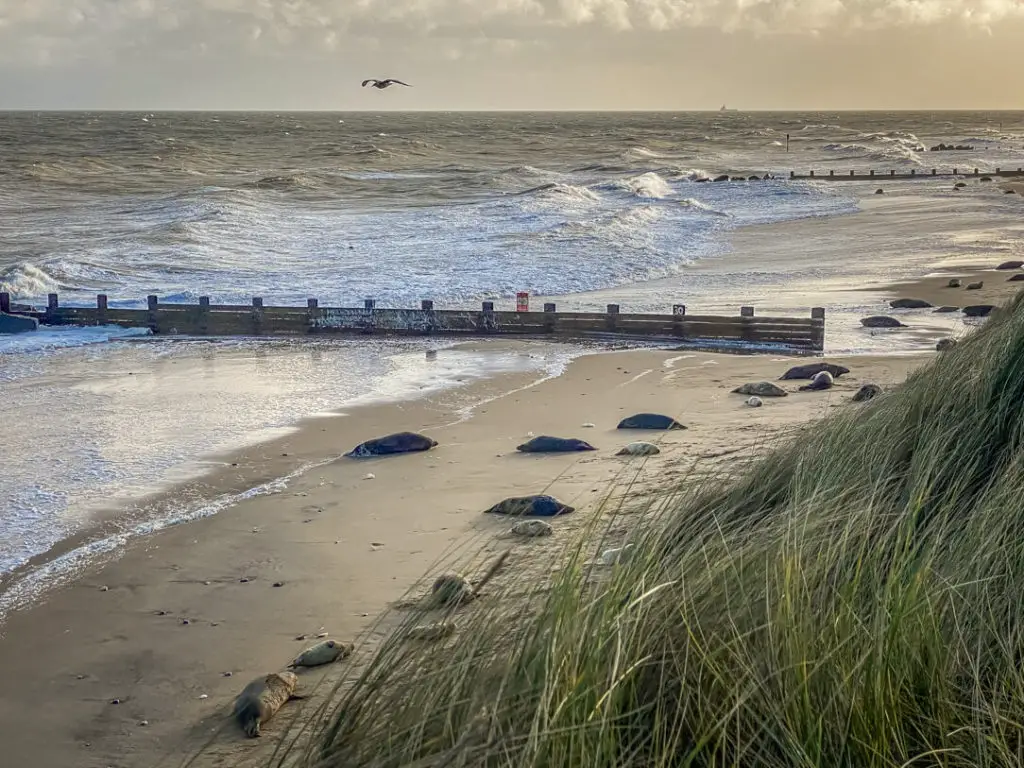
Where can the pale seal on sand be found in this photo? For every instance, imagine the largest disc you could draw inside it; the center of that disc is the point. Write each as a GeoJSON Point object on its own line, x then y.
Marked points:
{"type": "Point", "coordinates": [821, 381]}
{"type": "Point", "coordinates": [761, 389]}
{"type": "Point", "coordinates": [537, 506]}
{"type": "Point", "coordinates": [435, 631]}
{"type": "Point", "coordinates": [618, 555]}
{"type": "Point", "coordinates": [639, 449]}
{"type": "Point", "coordinates": [547, 444]}
{"type": "Point", "coordinates": [867, 392]}
{"type": "Point", "coordinates": [454, 589]}
{"type": "Point", "coordinates": [649, 421]}
{"type": "Point", "coordinates": [754, 401]}
{"type": "Point", "coordinates": [808, 371]}
{"type": "Point", "coordinates": [944, 345]}
{"type": "Point", "coordinates": [531, 529]}
{"type": "Point", "coordinates": [400, 442]}
{"type": "Point", "coordinates": [326, 652]}
{"type": "Point", "coordinates": [881, 321]}
{"type": "Point", "coordinates": [260, 700]}
{"type": "Point", "coordinates": [954, 282]}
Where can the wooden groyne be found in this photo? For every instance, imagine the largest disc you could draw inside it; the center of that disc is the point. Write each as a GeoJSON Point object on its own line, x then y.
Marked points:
{"type": "Point", "coordinates": [207, 319]}
{"type": "Point", "coordinates": [833, 175]}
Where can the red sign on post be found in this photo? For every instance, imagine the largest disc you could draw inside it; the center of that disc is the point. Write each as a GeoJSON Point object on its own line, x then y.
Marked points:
{"type": "Point", "coordinates": [522, 302]}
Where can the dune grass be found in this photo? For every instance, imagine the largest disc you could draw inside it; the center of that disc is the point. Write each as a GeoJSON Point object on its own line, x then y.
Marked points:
{"type": "Point", "coordinates": [854, 598]}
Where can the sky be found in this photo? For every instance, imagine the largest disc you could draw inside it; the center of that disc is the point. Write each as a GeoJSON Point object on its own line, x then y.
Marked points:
{"type": "Point", "coordinates": [512, 54]}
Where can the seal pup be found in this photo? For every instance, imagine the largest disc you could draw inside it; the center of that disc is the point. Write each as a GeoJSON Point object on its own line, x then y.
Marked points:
{"type": "Point", "coordinates": [531, 529]}
{"type": "Point", "coordinates": [382, 84]}
{"type": "Point", "coordinates": [821, 381]}
{"type": "Point", "coordinates": [547, 444]}
{"type": "Point", "coordinates": [761, 389]}
{"type": "Point", "coordinates": [808, 371]}
{"type": "Point", "coordinates": [639, 449]}
{"type": "Point", "coordinates": [326, 652]}
{"type": "Point", "coordinates": [455, 589]}
{"type": "Point", "coordinates": [754, 401]}
{"type": "Point", "coordinates": [541, 505]}
{"type": "Point", "coordinates": [260, 700]}
{"type": "Point", "coordinates": [434, 631]}
{"type": "Point", "coordinates": [649, 421]}
{"type": "Point", "coordinates": [400, 442]}
{"type": "Point", "coordinates": [944, 345]}
{"type": "Point", "coordinates": [867, 392]}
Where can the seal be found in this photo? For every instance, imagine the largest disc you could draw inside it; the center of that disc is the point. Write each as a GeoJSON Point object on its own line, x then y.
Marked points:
{"type": "Point", "coordinates": [435, 631]}
{"type": "Point", "coordinates": [455, 589]}
{"type": "Point", "coordinates": [867, 392]}
{"type": "Point", "coordinates": [649, 421]}
{"type": "Point", "coordinates": [1015, 264]}
{"type": "Point", "coordinates": [639, 449]}
{"type": "Point", "coordinates": [821, 381]}
{"type": "Point", "coordinates": [531, 529]}
{"type": "Point", "coordinates": [754, 401]}
{"type": "Point", "coordinates": [526, 506]}
{"type": "Point", "coordinates": [975, 286]}
{"type": "Point", "coordinates": [761, 389]}
{"type": "Point", "coordinates": [808, 371]}
{"type": "Point", "coordinates": [1016, 278]}
{"type": "Point", "coordinates": [546, 444]}
{"type": "Point", "coordinates": [260, 700]}
{"type": "Point", "coordinates": [944, 345]}
{"type": "Point", "coordinates": [881, 321]}
{"type": "Point", "coordinates": [979, 310]}
{"type": "Point", "coordinates": [326, 652]}
{"type": "Point", "coordinates": [954, 282]}
{"type": "Point", "coordinates": [910, 304]}
{"type": "Point", "coordinates": [946, 309]}
{"type": "Point", "coordinates": [400, 442]}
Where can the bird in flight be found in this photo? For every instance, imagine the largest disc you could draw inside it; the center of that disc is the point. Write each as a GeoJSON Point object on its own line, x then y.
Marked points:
{"type": "Point", "coordinates": [384, 83]}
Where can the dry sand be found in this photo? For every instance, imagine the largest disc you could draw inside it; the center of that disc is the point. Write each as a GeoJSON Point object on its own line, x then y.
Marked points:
{"type": "Point", "coordinates": [346, 547]}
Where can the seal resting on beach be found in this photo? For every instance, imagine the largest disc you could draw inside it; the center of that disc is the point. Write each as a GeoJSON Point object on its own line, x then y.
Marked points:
{"type": "Point", "coordinates": [530, 506]}
{"type": "Point", "coordinates": [808, 371]}
{"type": "Point", "coordinates": [954, 282]}
{"type": "Point", "coordinates": [978, 310]}
{"type": "Point", "coordinates": [909, 304]}
{"type": "Point", "coordinates": [754, 401]}
{"type": "Point", "coordinates": [455, 589]}
{"type": "Point", "coordinates": [639, 449]}
{"type": "Point", "coordinates": [326, 652]}
{"type": "Point", "coordinates": [867, 392]}
{"type": "Point", "coordinates": [531, 529]}
{"type": "Point", "coordinates": [400, 442]}
{"type": "Point", "coordinates": [1011, 265]}
{"type": "Point", "coordinates": [820, 382]}
{"type": "Point", "coordinates": [947, 309]}
{"type": "Point", "coordinates": [881, 321]}
{"type": "Point", "coordinates": [975, 286]}
{"type": "Point", "coordinates": [944, 345]}
{"type": "Point", "coordinates": [260, 700]}
{"type": "Point", "coordinates": [1015, 278]}
{"type": "Point", "coordinates": [547, 444]}
{"type": "Point", "coordinates": [649, 421]}
{"type": "Point", "coordinates": [761, 389]}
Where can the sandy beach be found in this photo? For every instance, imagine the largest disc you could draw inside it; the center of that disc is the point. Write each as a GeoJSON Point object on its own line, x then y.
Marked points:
{"type": "Point", "coordinates": [344, 547]}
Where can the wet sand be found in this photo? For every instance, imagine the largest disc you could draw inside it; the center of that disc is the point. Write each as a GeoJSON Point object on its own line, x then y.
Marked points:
{"type": "Point", "coordinates": [344, 547]}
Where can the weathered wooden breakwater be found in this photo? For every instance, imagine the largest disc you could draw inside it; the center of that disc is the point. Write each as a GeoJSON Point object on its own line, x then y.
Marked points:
{"type": "Point", "coordinates": [805, 334]}
{"type": "Point", "coordinates": [833, 175]}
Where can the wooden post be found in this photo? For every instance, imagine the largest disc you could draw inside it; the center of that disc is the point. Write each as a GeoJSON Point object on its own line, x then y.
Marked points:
{"type": "Point", "coordinates": [746, 317]}
{"type": "Point", "coordinates": [368, 322]}
{"type": "Point", "coordinates": [935, 171]}
{"type": "Point", "coordinates": [852, 173]}
{"type": "Point", "coordinates": [486, 321]}
{"type": "Point", "coordinates": [818, 328]}
{"type": "Point", "coordinates": [101, 309]}
{"type": "Point", "coordinates": [892, 173]}
{"type": "Point", "coordinates": [812, 173]}
{"type": "Point", "coordinates": [792, 174]}
{"type": "Point", "coordinates": [871, 173]}
{"type": "Point", "coordinates": [204, 314]}
{"type": "Point", "coordinates": [613, 314]}
{"type": "Point", "coordinates": [550, 317]}
{"type": "Point", "coordinates": [52, 306]}
{"type": "Point", "coordinates": [678, 316]}
{"type": "Point", "coordinates": [430, 319]}
{"type": "Point", "coordinates": [913, 171]}
{"type": "Point", "coordinates": [427, 305]}
{"type": "Point", "coordinates": [975, 171]}
{"type": "Point", "coordinates": [5, 303]}
{"type": "Point", "coordinates": [152, 305]}
{"type": "Point", "coordinates": [832, 173]}
{"type": "Point", "coordinates": [746, 311]}
{"type": "Point", "coordinates": [257, 315]}
{"type": "Point", "coordinates": [954, 172]}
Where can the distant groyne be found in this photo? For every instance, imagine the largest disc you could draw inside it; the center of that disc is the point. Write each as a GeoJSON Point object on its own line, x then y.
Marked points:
{"type": "Point", "coordinates": [806, 334]}
{"type": "Point", "coordinates": [872, 175]}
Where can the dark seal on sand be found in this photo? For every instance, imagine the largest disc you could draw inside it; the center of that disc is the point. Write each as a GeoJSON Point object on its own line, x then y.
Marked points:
{"type": "Point", "coordinates": [975, 286]}
{"type": "Point", "coordinates": [260, 700]}
{"type": "Point", "coordinates": [881, 321]}
{"type": "Point", "coordinates": [867, 392]}
{"type": "Point", "coordinates": [947, 309]}
{"type": "Point", "coordinates": [400, 442]}
{"type": "Point", "coordinates": [821, 381]}
{"type": "Point", "coordinates": [909, 304]}
{"type": "Point", "coordinates": [1015, 278]}
{"type": "Point", "coordinates": [944, 345]}
{"type": "Point", "coordinates": [761, 389]}
{"type": "Point", "coordinates": [546, 444]}
{"type": "Point", "coordinates": [530, 506]}
{"type": "Point", "coordinates": [979, 310]}
{"type": "Point", "coordinates": [809, 371]}
{"type": "Point", "coordinates": [649, 421]}
{"type": "Point", "coordinates": [1011, 265]}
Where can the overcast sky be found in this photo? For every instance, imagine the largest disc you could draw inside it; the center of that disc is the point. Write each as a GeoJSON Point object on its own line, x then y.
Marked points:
{"type": "Point", "coordinates": [512, 54]}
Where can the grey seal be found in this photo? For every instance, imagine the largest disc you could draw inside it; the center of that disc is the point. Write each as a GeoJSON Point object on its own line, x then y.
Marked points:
{"type": "Point", "coordinates": [909, 304]}
{"type": "Point", "coordinates": [547, 444]}
{"type": "Point", "coordinates": [649, 421]}
{"type": "Point", "coordinates": [867, 392]}
{"type": "Point", "coordinates": [400, 442]}
{"type": "Point", "coordinates": [540, 505]}
{"type": "Point", "coordinates": [761, 389]}
{"type": "Point", "coordinates": [260, 700]}
{"type": "Point", "coordinates": [820, 382]}
{"type": "Point", "coordinates": [808, 371]}
{"type": "Point", "coordinates": [881, 321]}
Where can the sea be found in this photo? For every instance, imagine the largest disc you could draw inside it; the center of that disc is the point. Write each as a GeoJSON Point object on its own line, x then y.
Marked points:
{"type": "Point", "coordinates": [583, 208]}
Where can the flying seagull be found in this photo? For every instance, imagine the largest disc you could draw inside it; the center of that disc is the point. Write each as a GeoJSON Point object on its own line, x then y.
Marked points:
{"type": "Point", "coordinates": [384, 83]}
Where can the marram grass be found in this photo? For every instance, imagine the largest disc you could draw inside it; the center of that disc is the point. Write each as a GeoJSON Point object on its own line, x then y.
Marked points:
{"type": "Point", "coordinates": [853, 598]}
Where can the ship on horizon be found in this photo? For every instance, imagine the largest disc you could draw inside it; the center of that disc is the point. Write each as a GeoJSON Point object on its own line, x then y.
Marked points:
{"type": "Point", "coordinates": [728, 109]}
